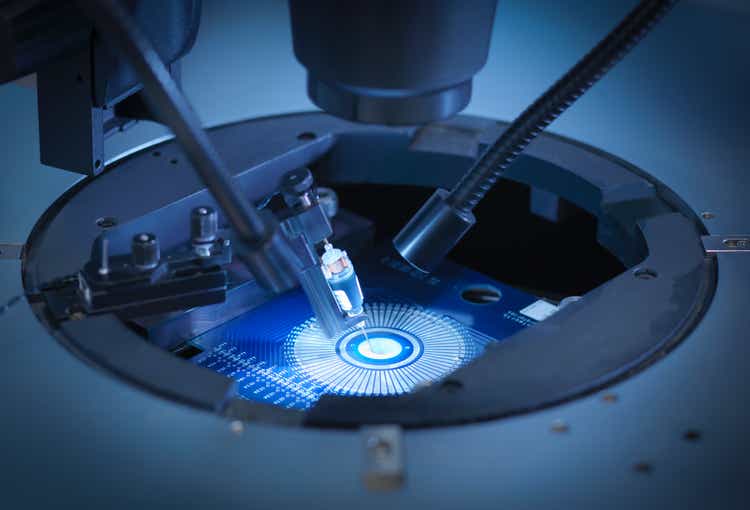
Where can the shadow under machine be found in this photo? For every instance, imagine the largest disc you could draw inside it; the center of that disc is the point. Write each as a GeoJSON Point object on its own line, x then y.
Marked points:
{"type": "Point", "coordinates": [292, 269]}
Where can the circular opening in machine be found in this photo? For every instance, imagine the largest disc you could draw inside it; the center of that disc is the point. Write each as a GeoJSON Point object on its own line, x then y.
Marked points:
{"type": "Point", "coordinates": [548, 245]}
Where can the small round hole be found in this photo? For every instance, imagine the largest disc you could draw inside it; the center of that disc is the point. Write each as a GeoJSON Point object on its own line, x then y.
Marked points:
{"type": "Point", "coordinates": [481, 295]}
{"type": "Point", "coordinates": [645, 273]}
{"type": "Point", "coordinates": [692, 435]}
{"type": "Point", "coordinates": [643, 467]}
{"type": "Point", "coordinates": [609, 398]}
{"type": "Point", "coordinates": [156, 154]}
{"type": "Point", "coordinates": [307, 136]}
{"type": "Point", "coordinates": [452, 385]}
{"type": "Point", "coordinates": [559, 427]}
{"type": "Point", "coordinates": [97, 163]}
{"type": "Point", "coordinates": [173, 161]}
{"type": "Point", "coordinates": [106, 222]}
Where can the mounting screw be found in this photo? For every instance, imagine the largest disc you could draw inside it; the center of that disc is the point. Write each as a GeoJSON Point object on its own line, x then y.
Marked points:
{"type": "Point", "coordinates": [145, 251]}
{"type": "Point", "coordinates": [559, 427]}
{"type": "Point", "coordinates": [299, 180]}
{"type": "Point", "coordinates": [237, 427]}
{"type": "Point", "coordinates": [204, 225]}
{"type": "Point", "coordinates": [297, 188]}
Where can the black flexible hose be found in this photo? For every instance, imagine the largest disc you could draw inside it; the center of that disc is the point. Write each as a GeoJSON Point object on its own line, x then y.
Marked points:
{"type": "Point", "coordinates": [475, 184]}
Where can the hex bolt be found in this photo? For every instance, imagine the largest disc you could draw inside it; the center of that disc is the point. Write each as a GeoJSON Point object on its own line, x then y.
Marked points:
{"type": "Point", "coordinates": [145, 251]}
{"type": "Point", "coordinates": [297, 188]}
{"type": "Point", "coordinates": [299, 180]}
{"type": "Point", "coordinates": [204, 225]}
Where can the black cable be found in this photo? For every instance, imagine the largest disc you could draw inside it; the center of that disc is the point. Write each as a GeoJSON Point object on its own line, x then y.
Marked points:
{"type": "Point", "coordinates": [475, 184]}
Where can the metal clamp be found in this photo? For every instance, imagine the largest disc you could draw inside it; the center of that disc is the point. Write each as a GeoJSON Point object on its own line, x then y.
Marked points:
{"type": "Point", "coordinates": [726, 243]}
{"type": "Point", "coordinates": [384, 466]}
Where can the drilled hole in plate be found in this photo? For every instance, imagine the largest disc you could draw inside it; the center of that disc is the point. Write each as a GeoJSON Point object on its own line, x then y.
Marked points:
{"type": "Point", "coordinates": [156, 154]}
{"type": "Point", "coordinates": [559, 427]}
{"type": "Point", "coordinates": [452, 385]}
{"type": "Point", "coordinates": [173, 161]}
{"type": "Point", "coordinates": [307, 136]}
{"type": "Point", "coordinates": [643, 467]}
{"type": "Point", "coordinates": [481, 295]}
{"type": "Point", "coordinates": [106, 222]}
{"type": "Point", "coordinates": [645, 273]}
{"type": "Point", "coordinates": [692, 435]}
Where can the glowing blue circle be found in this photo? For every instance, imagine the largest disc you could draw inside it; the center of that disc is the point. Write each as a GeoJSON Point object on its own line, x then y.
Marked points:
{"type": "Point", "coordinates": [414, 346]}
{"type": "Point", "coordinates": [380, 348]}
{"type": "Point", "coordinates": [399, 348]}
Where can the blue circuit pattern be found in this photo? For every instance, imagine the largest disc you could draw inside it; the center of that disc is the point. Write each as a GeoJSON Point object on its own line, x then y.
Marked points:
{"type": "Point", "coordinates": [277, 354]}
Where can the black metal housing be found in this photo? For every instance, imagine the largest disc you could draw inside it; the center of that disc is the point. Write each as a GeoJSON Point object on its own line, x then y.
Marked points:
{"type": "Point", "coordinates": [391, 62]}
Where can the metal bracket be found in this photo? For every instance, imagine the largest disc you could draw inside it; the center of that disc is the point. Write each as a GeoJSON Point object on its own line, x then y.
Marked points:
{"type": "Point", "coordinates": [726, 243]}
{"type": "Point", "coordinates": [11, 251]}
{"type": "Point", "coordinates": [384, 467]}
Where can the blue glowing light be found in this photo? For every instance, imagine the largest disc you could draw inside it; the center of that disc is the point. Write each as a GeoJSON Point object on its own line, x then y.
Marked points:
{"type": "Point", "coordinates": [420, 330]}
{"type": "Point", "coordinates": [379, 348]}
{"type": "Point", "coordinates": [404, 346]}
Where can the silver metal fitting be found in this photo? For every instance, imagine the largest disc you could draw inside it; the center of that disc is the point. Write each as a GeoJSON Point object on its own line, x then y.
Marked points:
{"type": "Point", "coordinates": [145, 251]}
{"type": "Point", "coordinates": [204, 225]}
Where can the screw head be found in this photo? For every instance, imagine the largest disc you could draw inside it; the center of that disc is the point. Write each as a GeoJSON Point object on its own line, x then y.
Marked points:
{"type": "Point", "coordinates": [299, 180]}
{"type": "Point", "coordinates": [204, 225]}
{"type": "Point", "coordinates": [145, 251]}
{"type": "Point", "coordinates": [237, 427]}
{"type": "Point", "coordinates": [559, 427]}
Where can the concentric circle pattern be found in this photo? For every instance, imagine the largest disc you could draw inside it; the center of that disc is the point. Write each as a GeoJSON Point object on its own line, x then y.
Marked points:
{"type": "Point", "coordinates": [404, 346]}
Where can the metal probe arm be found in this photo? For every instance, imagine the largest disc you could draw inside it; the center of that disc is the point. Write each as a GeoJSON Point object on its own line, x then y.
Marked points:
{"type": "Point", "coordinates": [327, 274]}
